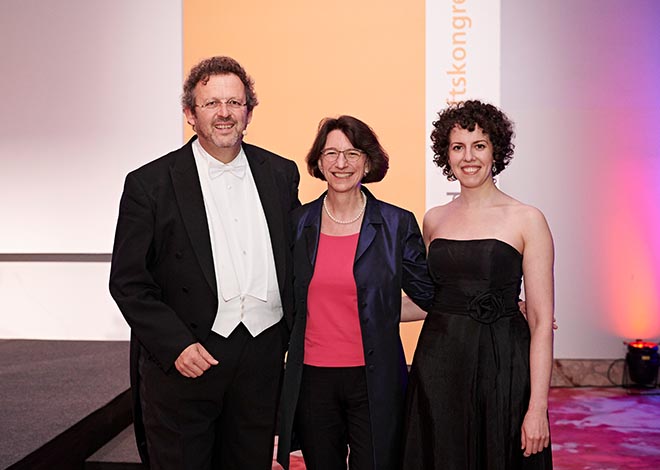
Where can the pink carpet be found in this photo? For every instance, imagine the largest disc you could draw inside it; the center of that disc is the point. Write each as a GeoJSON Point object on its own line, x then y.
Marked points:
{"type": "Point", "coordinates": [596, 429]}
{"type": "Point", "coordinates": [604, 429]}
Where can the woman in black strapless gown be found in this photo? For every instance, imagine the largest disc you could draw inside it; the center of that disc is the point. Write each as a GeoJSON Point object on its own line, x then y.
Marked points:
{"type": "Point", "coordinates": [477, 397]}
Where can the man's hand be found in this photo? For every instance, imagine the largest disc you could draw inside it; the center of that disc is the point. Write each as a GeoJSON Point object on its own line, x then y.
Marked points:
{"type": "Point", "coordinates": [194, 361]}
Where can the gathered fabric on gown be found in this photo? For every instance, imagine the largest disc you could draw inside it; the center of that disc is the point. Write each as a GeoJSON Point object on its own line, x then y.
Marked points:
{"type": "Point", "coordinates": [469, 382]}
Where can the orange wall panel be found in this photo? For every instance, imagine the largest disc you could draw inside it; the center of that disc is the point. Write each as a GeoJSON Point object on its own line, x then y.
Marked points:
{"type": "Point", "coordinates": [310, 60]}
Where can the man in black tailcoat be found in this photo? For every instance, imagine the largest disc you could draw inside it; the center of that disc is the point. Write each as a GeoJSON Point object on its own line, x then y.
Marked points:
{"type": "Point", "coordinates": [201, 270]}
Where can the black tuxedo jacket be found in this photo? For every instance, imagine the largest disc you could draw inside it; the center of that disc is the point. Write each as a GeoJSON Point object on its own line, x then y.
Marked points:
{"type": "Point", "coordinates": [162, 274]}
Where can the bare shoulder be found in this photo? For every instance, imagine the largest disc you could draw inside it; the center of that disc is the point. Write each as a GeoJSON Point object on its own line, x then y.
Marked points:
{"type": "Point", "coordinates": [534, 227]}
{"type": "Point", "coordinates": [518, 212]}
{"type": "Point", "coordinates": [433, 219]}
{"type": "Point", "coordinates": [435, 212]}
{"type": "Point", "coordinates": [529, 215]}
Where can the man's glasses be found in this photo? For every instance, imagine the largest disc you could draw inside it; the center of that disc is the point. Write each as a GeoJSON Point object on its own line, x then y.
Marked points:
{"type": "Point", "coordinates": [331, 154]}
{"type": "Point", "coordinates": [212, 105]}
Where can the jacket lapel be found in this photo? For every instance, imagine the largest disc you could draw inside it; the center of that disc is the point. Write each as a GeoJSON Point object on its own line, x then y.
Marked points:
{"type": "Point", "coordinates": [370, 225]}
{"type": "Point", "coordinates": [312, 229]}
{"type": "Point", "coordinates": [270, 201]}
{"type": "Point", "coordinates": [188, 192]}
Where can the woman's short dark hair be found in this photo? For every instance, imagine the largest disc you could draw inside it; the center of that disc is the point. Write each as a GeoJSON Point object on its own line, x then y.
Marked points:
{"type": "Point", "coordinates": [218, 65]}
{"type": "Point", "coordinates": [361, 136]}
{"type": "Point", "coordinates": [467, 115]}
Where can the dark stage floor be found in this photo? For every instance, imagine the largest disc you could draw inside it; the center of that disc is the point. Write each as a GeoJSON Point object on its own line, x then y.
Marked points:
{"type": "Point", "coordinates": [50, 396]}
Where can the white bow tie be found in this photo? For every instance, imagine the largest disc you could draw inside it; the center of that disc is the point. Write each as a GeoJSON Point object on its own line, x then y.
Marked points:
{"type": "Point", "coordinates": [216, 169]}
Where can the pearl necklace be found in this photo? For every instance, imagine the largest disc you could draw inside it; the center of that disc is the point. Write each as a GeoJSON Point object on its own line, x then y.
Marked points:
{"type": "Point", "coordinates": [345, 222]}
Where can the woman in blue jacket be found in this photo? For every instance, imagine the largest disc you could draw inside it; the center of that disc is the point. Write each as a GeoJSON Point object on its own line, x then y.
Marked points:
{"type": "Point", "coordinates": [345, 379]}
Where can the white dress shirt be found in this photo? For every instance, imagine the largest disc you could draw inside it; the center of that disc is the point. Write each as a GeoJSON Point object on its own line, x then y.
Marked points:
{"type": "Point", "coordinates": [248, 292]}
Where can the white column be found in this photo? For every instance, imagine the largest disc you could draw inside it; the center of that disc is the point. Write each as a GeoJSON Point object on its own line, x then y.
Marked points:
{"type": "Point", "coordinates": [462, 62]}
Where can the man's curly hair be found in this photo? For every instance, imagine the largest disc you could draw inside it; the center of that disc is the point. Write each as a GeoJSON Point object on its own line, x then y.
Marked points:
{"type": "Point", "coordinates": [467, 115]}
{"type": "Point", "coordinates": [218, 65]}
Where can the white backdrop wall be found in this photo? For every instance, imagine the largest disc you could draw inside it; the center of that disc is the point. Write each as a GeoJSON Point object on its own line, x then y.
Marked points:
{"type": "Point", "coordinates": [90, 91]}
{"type": "Point", "coordinates": [58, 300]}
{"type": "Point", "coordinates": [580, 80]}
{"type": "Point", "coordinates": [462, 57]}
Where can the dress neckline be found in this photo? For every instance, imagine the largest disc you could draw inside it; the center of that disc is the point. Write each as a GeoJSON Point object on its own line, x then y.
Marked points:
{"type": "Point", "coordinates": [478, 240]}
{"type": "Point", "coordinates": [340, 236]}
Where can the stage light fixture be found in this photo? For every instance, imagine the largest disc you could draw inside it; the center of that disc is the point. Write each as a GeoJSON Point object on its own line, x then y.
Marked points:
{"type": "Point", "coordinates": [641, 365]}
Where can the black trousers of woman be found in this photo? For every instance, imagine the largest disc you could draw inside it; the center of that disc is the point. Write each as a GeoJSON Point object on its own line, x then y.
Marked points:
{"type": "Point", "coordinates": [333, 418]}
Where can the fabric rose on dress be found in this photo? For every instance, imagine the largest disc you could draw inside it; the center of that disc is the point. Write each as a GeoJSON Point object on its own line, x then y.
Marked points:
{"type": "Point", "coordinates": [486, 307]}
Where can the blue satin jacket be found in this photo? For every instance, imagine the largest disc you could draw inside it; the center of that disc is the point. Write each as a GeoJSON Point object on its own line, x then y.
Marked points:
{"type": "Point", "coordinates": [390, 256]}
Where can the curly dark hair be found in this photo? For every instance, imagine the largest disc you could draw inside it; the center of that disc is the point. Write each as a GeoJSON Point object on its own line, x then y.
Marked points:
{"type": "Point", "coordinates": [218, 65]}
{"type": "Point", "coordinates": [467, 115]}
{"type": "Point", "coordinates": [361, 136]}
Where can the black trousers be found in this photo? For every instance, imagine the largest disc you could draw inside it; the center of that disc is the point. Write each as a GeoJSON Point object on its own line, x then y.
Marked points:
{"type": "Point", "coordinates": [333, 417]}
{"type": "Point", "coordinates": [224, 419]}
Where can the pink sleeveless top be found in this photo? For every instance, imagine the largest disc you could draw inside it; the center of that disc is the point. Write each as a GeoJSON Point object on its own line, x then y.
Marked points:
{"type": "Point", "coordinates": [333, 337]}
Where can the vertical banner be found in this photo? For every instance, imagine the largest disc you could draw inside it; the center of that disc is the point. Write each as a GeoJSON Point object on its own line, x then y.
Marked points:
{"type": "Point", "coordinates": [462, 62]}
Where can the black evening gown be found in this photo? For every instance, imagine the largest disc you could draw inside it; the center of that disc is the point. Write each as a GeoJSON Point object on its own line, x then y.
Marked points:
{"type": "Point", "coordinates": [469, 382]}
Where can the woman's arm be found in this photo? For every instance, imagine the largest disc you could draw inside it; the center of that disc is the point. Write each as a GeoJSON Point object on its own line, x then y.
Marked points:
{"type": "Point", "coordinates": [538, 262]}
{"type": "Point", "coordinates": [415, 278]}
{"type": "Point", "coordinates": [410, 311]}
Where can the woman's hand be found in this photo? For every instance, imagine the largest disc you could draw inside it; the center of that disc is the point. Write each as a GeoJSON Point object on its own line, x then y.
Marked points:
{"type": "Point", "coordinates": [410, 311]}
{"type": "Point", "coordinates": [535, 434]}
